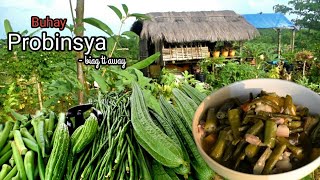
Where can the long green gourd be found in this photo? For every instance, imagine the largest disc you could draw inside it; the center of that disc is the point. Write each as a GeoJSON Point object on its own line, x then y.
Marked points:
{"type": "Point", "coordinates": [193, 93]}
{"type": "Point", "coordinates": [203, 171]}
{"type": "Point", "coordinates": [186, 106]}
{"type": "Point", "coordinates": [150, 137]}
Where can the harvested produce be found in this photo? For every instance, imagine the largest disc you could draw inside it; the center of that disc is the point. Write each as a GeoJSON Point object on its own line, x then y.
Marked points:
{"type": "Point", "coordinates": [130, 141]}
{"type": "Point", "coordinates": [159, 145]}
{"type": "Point", "coordinates": [268, 134]}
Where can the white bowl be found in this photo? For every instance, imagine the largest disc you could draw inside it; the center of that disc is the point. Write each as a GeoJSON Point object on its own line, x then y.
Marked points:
{"type": "Point", "coordinates": [300, 95]}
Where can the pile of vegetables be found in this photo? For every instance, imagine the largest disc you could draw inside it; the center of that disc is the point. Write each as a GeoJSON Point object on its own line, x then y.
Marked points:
{"type": "Point", "coordinates": [133, 140]}
{"type": "Point", "coordinates": [34, 147]}
{"type": "Point", "coordinates": [167, 136]}
{"type": "Point", "coordinates": [267, 134]}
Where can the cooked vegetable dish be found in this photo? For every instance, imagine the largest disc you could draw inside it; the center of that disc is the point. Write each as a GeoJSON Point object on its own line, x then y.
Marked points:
{"type": "Point", "coordinates": [267, 134]}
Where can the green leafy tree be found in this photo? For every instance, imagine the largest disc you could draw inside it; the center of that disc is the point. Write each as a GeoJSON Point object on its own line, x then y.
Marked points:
{"type": "Point", "coordinates": [307, 11]}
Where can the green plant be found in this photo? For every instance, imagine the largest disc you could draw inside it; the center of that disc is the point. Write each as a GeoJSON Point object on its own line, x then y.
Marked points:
{"type": "Point", "coordinates": [314, 73]}
{"type": "Point", "coordinates": [233, 72]}
{"type": "Point", "coordinates": [10, 101]}
{"type": "Point", "coordinates": [289, 56]}
{"type": "Point", "coordinates": [189, 78]}
{"type": "Point", "coordinates": [115, 38]}
{"type": "Point", "coordinates": [274, 73]}
{"type": "Point", "coordinates": [204, 64]}
{"type": "Point", "coordinates": [304, 81]}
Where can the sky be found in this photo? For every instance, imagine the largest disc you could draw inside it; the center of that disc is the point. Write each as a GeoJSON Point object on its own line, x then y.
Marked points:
{"type": "Point", "coordinates": [19, 12]}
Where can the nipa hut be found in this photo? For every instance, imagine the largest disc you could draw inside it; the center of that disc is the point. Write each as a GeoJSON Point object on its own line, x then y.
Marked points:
{"type": "Point", "coordinates": [186, 37]}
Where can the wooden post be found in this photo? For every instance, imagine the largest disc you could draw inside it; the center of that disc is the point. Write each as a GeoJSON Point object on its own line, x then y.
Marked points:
{"type": "Point", "coordinates": [79, 33]}
{"type": "Point", "coordinates": [293, 38]}
{"type": "Point", "coordinates": [279, 43]}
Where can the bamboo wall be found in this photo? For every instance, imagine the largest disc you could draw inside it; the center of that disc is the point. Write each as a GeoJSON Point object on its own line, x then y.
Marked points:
{"type": "Point", "coordinates": [182, 53]}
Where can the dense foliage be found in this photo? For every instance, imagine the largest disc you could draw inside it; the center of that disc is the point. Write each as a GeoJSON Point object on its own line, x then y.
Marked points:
{"type": "Point", "coordinates": [307, 12]}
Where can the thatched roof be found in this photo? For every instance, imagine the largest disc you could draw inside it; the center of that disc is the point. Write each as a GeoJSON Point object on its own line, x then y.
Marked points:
{"type": "Point", "coordinates": [183, 27]}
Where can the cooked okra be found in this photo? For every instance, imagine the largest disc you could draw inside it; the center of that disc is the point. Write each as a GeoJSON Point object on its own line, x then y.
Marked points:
{"type": "Point", "coordinates": [266, 134]}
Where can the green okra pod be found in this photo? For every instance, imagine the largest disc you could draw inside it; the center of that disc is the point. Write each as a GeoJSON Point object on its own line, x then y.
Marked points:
{"type": "Point", "coordinates": [4, 171]}
{"type": "Point", "coordinates": [223, 111]}
{"type": "Point", "coordinates": [40, 165]}
{"type": "Point", "coordinates": [51, 124]}
{"type": "Point", "coordinates": [5, 133]}
{"type": "Point", "coordinates": [19, 161]}
{"type": "Point", "coordinates": [19, 142]}
{"type": "Point", "coordinates": [297, 130]}
{"type": "Point", "coordinates": [255, 118]}
{"type": "Point", "coordinates": [29, 164]}
{"type": "Point", "coordinates": [270, 133]}
{"type": "Point", "coordinates": [297, 151]}
{"type": "Point", "coordinates": [211, 121]}
{"type": "Point", "coordinates": [25, 133]}
{"type": "Point", "coordinates": [294, 124]}
{"type": "Point", "coordinates": [274, 157]}
{"type": "Point", "coordinates": [38, 125]}
{"type": "Point", "coordinates": [260, 164]}
{"type": "Point", "coordinates": [277, 100]}
{"type": "Point", "coordinates": [5, 157]}
{"type": "Point", "coordinates": [309, 123]}
{"type": "Point", "coordinates": [256, 128]}
{"type": "Point", "coordinates": [251, 150]}
{"type": "Point", "coordinates": [12, 173]}
{"type": "Point", "coordinates": [219, 147]}
{"type": "Point", "coordinates": [234, 119]}
{"type": "Point", "coordinates": [5, 149]}
{"type": "Point", "coordinates": [30, 144]}
{"type": "Point", "coordinates": [289, 107]}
